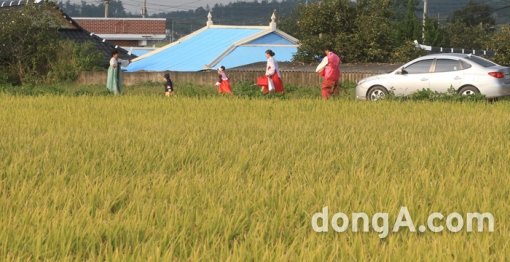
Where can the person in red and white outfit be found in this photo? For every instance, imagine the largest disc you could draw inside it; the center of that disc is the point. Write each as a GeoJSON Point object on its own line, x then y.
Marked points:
{"type": "Point", "coordinates": [223, 83]}
{"type": "Point", "coordinates": [274, 78]}
{"type": "Point", "coordinates": [329, 69]}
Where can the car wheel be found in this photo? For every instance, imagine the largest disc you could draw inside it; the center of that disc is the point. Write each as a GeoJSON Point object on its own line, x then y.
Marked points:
{"type": "Point", "coordinates": [469, 91]}
{"type": "Point", "coordinates": [377, 93]}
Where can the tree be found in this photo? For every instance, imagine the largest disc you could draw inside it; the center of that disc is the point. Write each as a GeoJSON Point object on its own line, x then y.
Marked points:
{"type": "Point", "coordinates": [411, 27]}
{"type": "Point", "coordinates": [360, 32]}
{"type": "Point", "coordinates": [404, 19]}
{"type": "Point", "coordinates": [27, 47]}
{"type": "Point", "coordinates": [500, 43]}
{"type": "Point", "coordinates": [71, 9]}
{"type": "Point", "coordinates": [329, 23]}
{"type": "Point", "coordinates": [462, 36]}
{"type": "Point", "coordinates": [434, 34]}
{"type": "Point", "coordinates": [475, 14]}
{"type": "Point", "coordinates": [470, 27]}
{"type": "Point", "coordinates": [117, 9]}
{"type": "Point", "coordinates": [374, 32]}
{"type": "Point", "coordinates": [32, 51]}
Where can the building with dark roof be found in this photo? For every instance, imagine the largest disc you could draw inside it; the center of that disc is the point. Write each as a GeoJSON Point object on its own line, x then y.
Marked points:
{"type": "Point", "coordinates": [126, 32]}
{"type": "Point", "coordinates": [70, 29]}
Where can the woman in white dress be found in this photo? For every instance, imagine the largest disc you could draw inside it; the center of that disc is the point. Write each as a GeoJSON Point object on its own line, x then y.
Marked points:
{"type": "Point", "coordinates": [274, 78]}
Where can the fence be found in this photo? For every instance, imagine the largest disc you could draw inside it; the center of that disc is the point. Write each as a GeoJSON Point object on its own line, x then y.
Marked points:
{"type": "Point", "coordinates": [208, 78]}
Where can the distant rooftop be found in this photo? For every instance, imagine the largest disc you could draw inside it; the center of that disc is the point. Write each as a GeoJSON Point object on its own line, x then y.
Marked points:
{"type": "Point", "coordinates": [130, 26]}
{"type": "Point", "coordinates": [120, 18]}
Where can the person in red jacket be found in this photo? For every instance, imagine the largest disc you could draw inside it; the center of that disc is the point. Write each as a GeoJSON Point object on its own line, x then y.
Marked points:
{"type": "Point", "coordinates": [329, 69]}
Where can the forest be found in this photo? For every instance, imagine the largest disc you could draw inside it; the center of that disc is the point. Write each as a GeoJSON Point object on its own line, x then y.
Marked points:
{"type": "Point", "coordinates": [258, 12]}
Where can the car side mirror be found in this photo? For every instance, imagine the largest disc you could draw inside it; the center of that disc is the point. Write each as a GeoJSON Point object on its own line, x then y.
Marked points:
{"type": "Point", "coordinates": [403, 71]}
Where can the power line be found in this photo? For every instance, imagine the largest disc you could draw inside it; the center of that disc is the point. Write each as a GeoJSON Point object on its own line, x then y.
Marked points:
{"type": "Point", "coordinates": [495, 10]}
{"type": "Point", "coordinates": [138, 4]}
{"type": "Point", "coordinates": [133, 5]}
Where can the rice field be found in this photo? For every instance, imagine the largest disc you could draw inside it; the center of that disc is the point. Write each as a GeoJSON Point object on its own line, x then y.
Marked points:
{"type": "Point", "coordinates": [148, 178]}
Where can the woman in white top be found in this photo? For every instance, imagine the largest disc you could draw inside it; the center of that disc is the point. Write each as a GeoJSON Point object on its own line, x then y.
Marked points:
{"type": "Point", "coordinates": [274, 79]}
{"type": "Point", "coordinates": [223, 82]}
{"type": "Point", "coordinates": [114, 79]}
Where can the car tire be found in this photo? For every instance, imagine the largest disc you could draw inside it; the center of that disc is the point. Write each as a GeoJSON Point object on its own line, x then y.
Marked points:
{"type": "Point", "coordinates": [469, 91]}
{"type": "Point", "coordinates": [376, 93]}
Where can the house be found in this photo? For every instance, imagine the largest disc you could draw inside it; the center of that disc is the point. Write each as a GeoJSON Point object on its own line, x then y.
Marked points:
{"type": "Point", "coordinates": [219, 45]}
{"type": "Point", "coordinates": [70, 29]}
{"type": "Point", "coordinates": [126, 32]}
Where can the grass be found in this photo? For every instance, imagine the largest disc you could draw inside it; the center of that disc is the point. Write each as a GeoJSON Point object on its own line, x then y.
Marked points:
{"type": "Point", "coordinates": [240, 90]}
{"type": "Point", "coordinates": [244, 90]}
{"type": "Point", "coordinates": [202, 177]}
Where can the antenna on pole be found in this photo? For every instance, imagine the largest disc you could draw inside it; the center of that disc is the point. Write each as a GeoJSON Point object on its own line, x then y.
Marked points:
{"type": "Point", "coordinates": [106, 7]}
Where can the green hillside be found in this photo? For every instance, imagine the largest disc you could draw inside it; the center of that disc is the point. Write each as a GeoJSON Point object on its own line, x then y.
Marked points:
{"type": "Point", "coordinates": [258, 12]}
{"type": "Point", "coordinates": [236, 13]}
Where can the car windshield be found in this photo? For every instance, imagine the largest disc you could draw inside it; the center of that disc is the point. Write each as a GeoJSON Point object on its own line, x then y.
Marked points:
{"type": "Point", "coordinates": [481, 61]}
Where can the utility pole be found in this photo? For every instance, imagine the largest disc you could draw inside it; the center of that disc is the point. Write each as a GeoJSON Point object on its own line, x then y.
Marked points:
{"type": "Point", "coordinates": [425, 14]}
{"type": "Point", "coordinates": [106, 7]}
{"type": "Point", "coordinates": [172, 34]}
{"type": "Point", "coordinates": [144, 9]}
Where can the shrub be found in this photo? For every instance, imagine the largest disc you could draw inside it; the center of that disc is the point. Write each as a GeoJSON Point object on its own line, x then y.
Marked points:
{"type": "Point", "coordinates": [70, 60]}
{"type": "Point", "coordinates": [500, 43]}
{"type": "Point", "coordinates": [27, 47]}
{"type": "Point", "coordinates": [32, 52]}
{"type": "Point", "coordinates": [408, 51]}
{"type": "Point", "coordinates": [430, 95]}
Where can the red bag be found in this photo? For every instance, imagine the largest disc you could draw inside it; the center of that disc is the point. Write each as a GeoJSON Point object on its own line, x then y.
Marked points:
{"type": "Point", "coordinates": [262, 81]}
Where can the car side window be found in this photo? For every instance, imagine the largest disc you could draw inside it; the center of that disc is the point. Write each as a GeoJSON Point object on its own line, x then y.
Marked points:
{"type": "Point", "coordinates": [419, 67]}
{"type": "Point", "coordinates": [465, 65]}
{"type": "Point", "coordinates": [447, 65]}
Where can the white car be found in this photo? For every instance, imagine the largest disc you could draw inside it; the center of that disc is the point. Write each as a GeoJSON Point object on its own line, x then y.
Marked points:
{"type": "Point", "coordinates": [466, 74]}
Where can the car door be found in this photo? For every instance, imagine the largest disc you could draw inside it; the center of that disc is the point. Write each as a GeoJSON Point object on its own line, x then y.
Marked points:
{"type": "Point", "coordinates": [447, 74]}
{"type": "Point", "coordinates": [413, 78]}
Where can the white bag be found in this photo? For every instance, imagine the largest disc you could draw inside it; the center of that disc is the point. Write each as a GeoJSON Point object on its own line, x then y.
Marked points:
{"type": "Point", "coordinates": [322, 65]}
{"type": "Point", "coordinates": [270, 84]}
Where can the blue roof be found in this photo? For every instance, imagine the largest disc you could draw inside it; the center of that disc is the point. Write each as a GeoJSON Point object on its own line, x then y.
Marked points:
{"type": "Point", "coordinates": [244, 55]}
{"type": "Point", "coordinates": [271, 39]}
{"type": "Point", "coordinates": [213, 46]}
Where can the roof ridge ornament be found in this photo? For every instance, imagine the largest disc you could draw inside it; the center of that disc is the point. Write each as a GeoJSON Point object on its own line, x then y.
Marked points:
{"type": "Point", "coordinates": [272, 25]}
{"type": "Point", "coordinates": [209, 19]}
